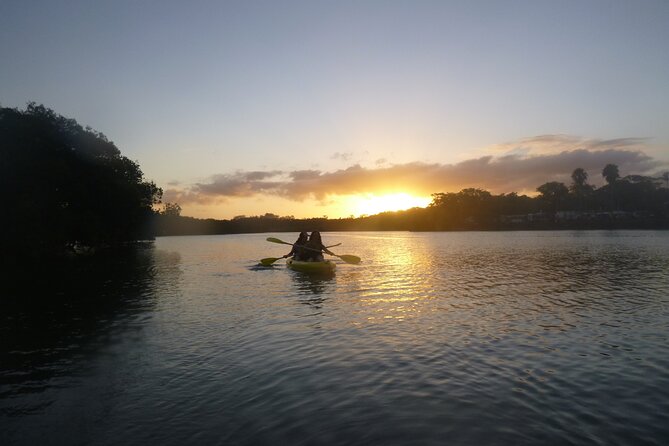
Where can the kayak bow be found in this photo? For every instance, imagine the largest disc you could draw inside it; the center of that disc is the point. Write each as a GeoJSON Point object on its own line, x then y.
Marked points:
{"type": "Point", "coordinates": [324, 267]}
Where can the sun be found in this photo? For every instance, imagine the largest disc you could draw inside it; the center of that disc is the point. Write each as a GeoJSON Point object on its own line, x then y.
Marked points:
{"type": "Point", "coordinates": [371, 204]}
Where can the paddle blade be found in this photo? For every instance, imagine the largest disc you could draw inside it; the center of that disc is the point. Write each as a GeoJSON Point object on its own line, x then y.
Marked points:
{"type": "Point", "coordinates": [348, 258]}
{"type": "Point", "coordinates": [268, 261]}
{"type": "Point", "coordinates": [276, 240]}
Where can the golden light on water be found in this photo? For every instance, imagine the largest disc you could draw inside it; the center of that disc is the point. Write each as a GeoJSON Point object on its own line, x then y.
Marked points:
{"type": "Point", "coordinates": [371, 204]}
{"type": "Point", "coordinates": [398, 294]}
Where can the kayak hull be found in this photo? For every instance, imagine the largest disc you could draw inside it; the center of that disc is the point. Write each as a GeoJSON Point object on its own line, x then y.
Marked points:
{"type": "Point", "coordinates": [326, 267]}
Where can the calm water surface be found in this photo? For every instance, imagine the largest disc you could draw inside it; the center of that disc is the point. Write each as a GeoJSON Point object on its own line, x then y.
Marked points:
{"type": "Point", "coordinates": [436, 338]}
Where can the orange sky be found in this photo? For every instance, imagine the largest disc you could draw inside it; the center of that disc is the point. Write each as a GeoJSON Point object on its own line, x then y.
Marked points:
{"type": "Point", "coordinates": [356, 190]}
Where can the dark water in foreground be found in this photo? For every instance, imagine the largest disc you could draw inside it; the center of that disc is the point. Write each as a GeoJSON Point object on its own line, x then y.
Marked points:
{"type": "Point", "coordinates": [437, 338]}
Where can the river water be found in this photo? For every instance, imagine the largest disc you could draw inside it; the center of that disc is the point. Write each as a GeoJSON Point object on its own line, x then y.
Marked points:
{"type": "Point", "coordinates": [463, 338]}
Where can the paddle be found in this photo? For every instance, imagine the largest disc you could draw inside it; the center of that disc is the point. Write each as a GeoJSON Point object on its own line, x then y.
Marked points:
{"type": "Point", "coordinates": [269, 260]}
{"type": "Point", "coordinates": [348, 258]}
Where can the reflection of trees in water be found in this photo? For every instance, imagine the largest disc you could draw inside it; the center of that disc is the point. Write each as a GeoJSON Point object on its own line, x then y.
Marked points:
{"type": "Point", "coordinates": [57, 315]}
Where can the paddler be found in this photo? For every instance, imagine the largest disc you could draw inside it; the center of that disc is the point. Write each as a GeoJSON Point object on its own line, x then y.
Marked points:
{"type": "Point", "coordinates": [315, 248]}
{"type": "Point", "coordinates": [298, 247]}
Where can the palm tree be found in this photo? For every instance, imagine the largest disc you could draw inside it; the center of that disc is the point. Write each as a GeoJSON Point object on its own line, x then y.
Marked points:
{"type": "Point", "coordinates": [610, 173]}
{"type": "Point", "coordinates": [580, 188]}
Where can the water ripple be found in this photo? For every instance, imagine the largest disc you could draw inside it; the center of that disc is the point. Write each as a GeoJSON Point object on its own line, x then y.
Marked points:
{"type": "Point", "coordinates": [469, 338]}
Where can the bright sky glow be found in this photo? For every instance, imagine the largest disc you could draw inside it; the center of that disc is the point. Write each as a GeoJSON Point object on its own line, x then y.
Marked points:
{"type": "Point", "coordinates": [295, 107]}
{"type": "Point", "coordinates": [370, 204]}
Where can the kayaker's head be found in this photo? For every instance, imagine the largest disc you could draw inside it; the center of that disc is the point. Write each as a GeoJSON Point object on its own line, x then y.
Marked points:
{"type": "Point", "coordinates": [315, 237]}
{"type": "Point", "coordinates": [303, 238]}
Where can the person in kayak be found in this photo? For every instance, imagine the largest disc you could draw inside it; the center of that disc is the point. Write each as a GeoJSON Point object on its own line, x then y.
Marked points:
{"type": "Point", "coordinates": [298, 251]}
{"type": "Point", "coordinates": [314, 248]}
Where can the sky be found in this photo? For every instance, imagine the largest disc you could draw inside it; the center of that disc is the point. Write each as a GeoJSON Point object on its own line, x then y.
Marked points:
{"type": "Point", "coordinates": [338, 108]}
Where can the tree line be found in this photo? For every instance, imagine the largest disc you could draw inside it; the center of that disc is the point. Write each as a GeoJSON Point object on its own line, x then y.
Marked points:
{"type": "Point", "coordinates": [633, 202]}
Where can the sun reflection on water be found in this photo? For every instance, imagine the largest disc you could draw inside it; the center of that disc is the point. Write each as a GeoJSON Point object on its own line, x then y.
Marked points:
{"type": "Point", "coordinates": [400, 288]}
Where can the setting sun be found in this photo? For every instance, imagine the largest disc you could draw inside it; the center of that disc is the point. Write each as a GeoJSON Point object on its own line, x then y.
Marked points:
{"type": "Point", "coordinates": [370, 204]}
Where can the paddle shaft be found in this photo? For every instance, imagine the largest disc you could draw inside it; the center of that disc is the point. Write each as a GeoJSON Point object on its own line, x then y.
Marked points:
{"type": "Point", "coordinates": [276, 240]}
{"type": "Point", "coordinates": [346, 257]}
{"type": "Point", "coordinates": [269, 260]}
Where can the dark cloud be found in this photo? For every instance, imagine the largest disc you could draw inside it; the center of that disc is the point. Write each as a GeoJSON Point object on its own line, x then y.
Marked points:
{"type": "Point", "coordinates": [302, 175]}
{"type": "Point", "coordinates": [507, 172]}
{"type": "Point", "coordinates": [551, 144]}
{"type": "Point", "coordinates": [620, 143]}
{"type": "Point", "coordinates": [190, 196]}
{"type": "Point", "coordinates": [239, 184]}
{"type": "Point", "coordinates": [343, 156]}
{"type": "Point", "coordinates": [258, 175]}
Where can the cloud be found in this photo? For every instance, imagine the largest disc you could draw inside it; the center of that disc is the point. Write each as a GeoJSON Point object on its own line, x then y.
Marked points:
{"type": "Point", "coordinates": [510, 171]}
{"type": "Point", "coordinates": [551, 144]}
{"type": "Point", "coordinates": [343, 156]}
{"type": "Point", "coordinates": [302, 175]}
{"type": "Point", "coordinates": [239, 184]}
{"type": "Point", "coordinates": [190, 196]}
{"type": "Point", "coordinates": [258, 175]}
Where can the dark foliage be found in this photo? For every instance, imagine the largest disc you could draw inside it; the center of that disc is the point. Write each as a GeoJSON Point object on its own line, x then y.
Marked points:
{"type": "Point", "coordinates": [67, 186]}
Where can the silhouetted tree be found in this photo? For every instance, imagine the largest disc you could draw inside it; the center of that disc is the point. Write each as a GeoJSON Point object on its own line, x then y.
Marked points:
{"type": "Point", "coordinates": [554, 195]}
{"type": "Point", "coordinates": [171, 210]}
{"type": "Point", "coordinates": [66, 185]}
{"type": "Point", "coordinates": [610, 173]}
{"type": "Point", "coordinates": [579, 176]}
{"type": "Point", "coordinates": [470, 208]}
{"type": "Point", "coordinates": [580, 189]}
{"type": "Point", "coordinates": [640, 193]}
{"type": "Point", "coordinates": [514, 204]}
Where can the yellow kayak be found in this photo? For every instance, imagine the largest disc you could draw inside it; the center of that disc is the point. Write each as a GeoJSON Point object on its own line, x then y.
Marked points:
{"type": "Point", "coordinates": [326, 266]}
